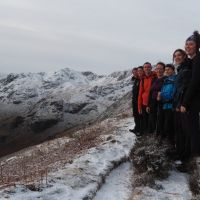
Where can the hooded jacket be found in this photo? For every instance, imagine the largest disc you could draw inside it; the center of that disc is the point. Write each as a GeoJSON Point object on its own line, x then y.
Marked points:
{"type": "Point", "coordinates": [167, 92]}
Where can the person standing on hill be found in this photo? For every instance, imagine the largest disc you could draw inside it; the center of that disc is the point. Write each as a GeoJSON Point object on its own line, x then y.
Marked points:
{"type": "Point", "coordinates": [184, 73]}
{"type": "Point", "coordinates": [166, 97]}
{"type": "Point", "coordinates": [143, 97]}
{"type": "Point", "coordinates": [137, 74]}
{"type": "Point", "coordinates": [154, 106]}
{"type": "Point", "coordinates": [191, 100]}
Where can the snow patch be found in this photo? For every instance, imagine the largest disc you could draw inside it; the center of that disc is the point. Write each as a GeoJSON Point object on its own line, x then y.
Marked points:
{"type": "Point", "coordinates": [118, 184]}
{"type": "Point", "coordinates": [84, 176]}
{"type": "Point", "coordinates": [175, 187]}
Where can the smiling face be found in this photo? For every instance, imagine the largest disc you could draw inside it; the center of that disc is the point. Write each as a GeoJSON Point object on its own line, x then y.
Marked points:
{"type": "Point", "coordinates": [190, 48]}
{"type": "Point", "coordinates": [160, 70]}
{"type": "Point", "coordinates": [134, 72]}
{"type": "Point", "coordinates": [169, 71]}
{"type": "Point", "coordinates": [140, 72]}
{"type": "Point", "coordinates": [147, 69]}
{"type": "Point", "coordinates": [179, 57]}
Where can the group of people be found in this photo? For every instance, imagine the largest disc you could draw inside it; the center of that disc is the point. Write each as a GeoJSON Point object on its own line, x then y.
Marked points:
{"type": "Point", "coordinates": [166, 99]}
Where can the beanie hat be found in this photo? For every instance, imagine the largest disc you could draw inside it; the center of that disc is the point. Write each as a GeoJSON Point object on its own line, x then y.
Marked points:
{"type": "Point", "coordinates": [195, 38]}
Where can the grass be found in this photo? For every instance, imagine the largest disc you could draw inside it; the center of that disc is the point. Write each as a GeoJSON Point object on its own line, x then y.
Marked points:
{"type": "Point", "coordinates": [31, 167]}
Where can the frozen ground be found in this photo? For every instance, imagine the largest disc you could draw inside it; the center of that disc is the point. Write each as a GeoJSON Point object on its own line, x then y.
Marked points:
{"type": "Point", "coordinates": [118, 184]}
{"type": "Point", "coordinates": [102, 173]}
{"type": "Point", "coordinates": [86, 174]}
{"type": "Point", "coordinates": [175, 187]}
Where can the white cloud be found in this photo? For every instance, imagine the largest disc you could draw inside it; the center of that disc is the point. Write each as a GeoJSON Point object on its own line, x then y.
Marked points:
{"type": "Point", "coordinates": [101, 35]}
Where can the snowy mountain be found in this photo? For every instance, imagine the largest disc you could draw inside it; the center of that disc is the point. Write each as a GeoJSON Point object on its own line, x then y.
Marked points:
{"type": "Point", "coordinates": [100, 160]}
{"type": "Point", "coordinates": [48, 103]}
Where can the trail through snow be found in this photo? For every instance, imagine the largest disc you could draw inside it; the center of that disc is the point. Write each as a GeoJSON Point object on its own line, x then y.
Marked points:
{"type": "Point", "coordinates": [118, 184]}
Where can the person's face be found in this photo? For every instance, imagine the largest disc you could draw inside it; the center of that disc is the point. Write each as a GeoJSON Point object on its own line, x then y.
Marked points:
{"type": "Point", "coordinates": [159, 70]}
{"type": "Point", "coordinates": [147, 69]}
{"type": "Point", "coordinates": [169, 71]}
{"type": "Point", "coordinates": [140, 73]}
{"type": "Point", "coordinates": [178, 57]}
{"type": "Point", "coordinates": [190, 48]}
{"type": "Point", "coordinates": [134, 72]}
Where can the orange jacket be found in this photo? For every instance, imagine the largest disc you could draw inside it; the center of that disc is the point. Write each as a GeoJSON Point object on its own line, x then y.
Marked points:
{"type": "Point", "coordinates": [144, 90]}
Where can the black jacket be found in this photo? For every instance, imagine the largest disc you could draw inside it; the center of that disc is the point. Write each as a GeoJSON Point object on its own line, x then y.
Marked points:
{"type": "Point", "coordinates": [182, 81]}
{"type": "Point", "coordinates": [191, 99]}
{"type": "Point", "coordinates": [135, 89]}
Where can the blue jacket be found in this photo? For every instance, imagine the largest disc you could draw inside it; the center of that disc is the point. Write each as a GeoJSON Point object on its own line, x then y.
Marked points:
{"type": "Point", "coordinates": [167, 92]}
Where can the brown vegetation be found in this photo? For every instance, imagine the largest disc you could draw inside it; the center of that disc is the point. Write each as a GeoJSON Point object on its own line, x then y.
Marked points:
{"type": "Point", "coordinates": [31, 167]}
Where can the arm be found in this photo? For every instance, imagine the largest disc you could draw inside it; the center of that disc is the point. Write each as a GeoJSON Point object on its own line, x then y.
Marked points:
{"type": "Point", "coordinates": [194, 85]}
{"type": "Point", "coordinates": [140, 97]}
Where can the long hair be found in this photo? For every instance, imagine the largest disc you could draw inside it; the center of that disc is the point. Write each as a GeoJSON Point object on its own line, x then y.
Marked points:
{"type": "Point", "coordinates": [180, 51]}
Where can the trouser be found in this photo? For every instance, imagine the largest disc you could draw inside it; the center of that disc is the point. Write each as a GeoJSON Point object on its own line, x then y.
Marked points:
{"type": "Point", "coordinates": [144, 120]}
{"type": "Point", "coordinates": [160, 121]}
{"type": "Point", "coordinates": [168, 126]}
{"type": "Point", "coordinates": [182, 136]}
{"type": "Point", "coordinates": [194, 132]}
{"type": "Point", "coordinates": [136, 115]}
{"type": "Point", "coordinates": [152, 121]}
{"type": "Point", "coordinates": [137, 122]}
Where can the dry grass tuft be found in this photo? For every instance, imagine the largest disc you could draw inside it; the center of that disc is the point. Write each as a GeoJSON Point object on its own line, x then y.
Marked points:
{"type": "Point", "coordinates": [31, 167]}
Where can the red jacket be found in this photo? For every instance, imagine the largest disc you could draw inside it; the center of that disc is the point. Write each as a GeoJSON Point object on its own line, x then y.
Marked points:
{"type": "Point", "coordinates": [144, 90]}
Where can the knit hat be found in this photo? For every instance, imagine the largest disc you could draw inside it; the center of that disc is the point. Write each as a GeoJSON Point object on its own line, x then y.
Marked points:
{"type": "Point", "coordinates": [191, 38]}
{"type": "Point", "coordinates": [195, 38]}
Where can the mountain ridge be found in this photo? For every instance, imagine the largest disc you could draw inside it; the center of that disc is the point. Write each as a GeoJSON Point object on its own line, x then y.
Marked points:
{"type": "Point", "coordinates": [39, 105]}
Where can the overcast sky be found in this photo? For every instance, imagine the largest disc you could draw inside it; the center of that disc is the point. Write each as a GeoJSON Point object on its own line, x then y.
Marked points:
{"type": "Point", "coordinates": [97, 35]}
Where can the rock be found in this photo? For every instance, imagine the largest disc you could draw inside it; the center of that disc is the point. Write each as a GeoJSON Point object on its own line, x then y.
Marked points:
{"type": "Point", "coordinates": [42, 124]}
{"type": "Point", "coordinates": [74, 108]}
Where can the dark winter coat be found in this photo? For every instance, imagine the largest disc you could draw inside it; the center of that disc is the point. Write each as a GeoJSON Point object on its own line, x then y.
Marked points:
{"type": "Point", "coordinates": [182, 81]}
{"type": "Point", "coordinates": [135, 89]}
{"type": "Point", "coordinates": [135, 92]}
{"type": "Point", "coordinates": [191, 99]}
{"type": "Point", "coordinates": [155, 88]}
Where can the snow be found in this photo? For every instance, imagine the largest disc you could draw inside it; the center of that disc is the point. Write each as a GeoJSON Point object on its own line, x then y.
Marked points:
{"type": "Point", "coordinates": [175, 187]}
{"type": "Point", "coordinates": [118, 184]}
{"type": "Point", "coordinates": [84, 176]}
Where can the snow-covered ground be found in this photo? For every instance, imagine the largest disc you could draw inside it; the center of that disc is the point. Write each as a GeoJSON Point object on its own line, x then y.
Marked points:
{"type": "Point", "coordinates": [103, 173]}
{"type": "Point", "coordinates": [83, 177]}
{"type": "Point", "coordinates": [175, 187]}
{"type": "Point", "coordinates": [118, 184]}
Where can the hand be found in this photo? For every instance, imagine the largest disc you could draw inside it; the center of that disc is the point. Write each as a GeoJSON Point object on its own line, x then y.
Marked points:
{"type": "Point", "coordinates": [183, 109]}
{"type": "Point", "coordinates": [140, 112]}
{"type": "Point", "coordinates": [147, 109]}
{"type": "Point", "coordinates": [158, 96]}
{"type": "Point", "coordinates": [177, 110]}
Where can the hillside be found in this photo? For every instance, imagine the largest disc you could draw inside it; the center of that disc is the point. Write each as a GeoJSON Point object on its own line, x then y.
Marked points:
{"type": "Point", "coordinates": [35, 107]}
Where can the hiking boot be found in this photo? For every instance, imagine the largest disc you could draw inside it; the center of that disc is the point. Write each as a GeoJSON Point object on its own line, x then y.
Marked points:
{"type": "Point", "coordinates": [133, 130]}
{"type": "Point", "coordinates": [182, 168]}
{"type": "Point", "coordinates": [138, 134]}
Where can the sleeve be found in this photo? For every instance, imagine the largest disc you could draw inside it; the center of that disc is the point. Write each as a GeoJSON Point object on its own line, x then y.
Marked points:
{"type": "Point", "coordinates": [148, 90]}
{"type": "Point", "coordinates": [140, 96]}
{"type": "Point", "coordinates": [194, 83]}
{"type": "Point", "coordinates": [150, 98]}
